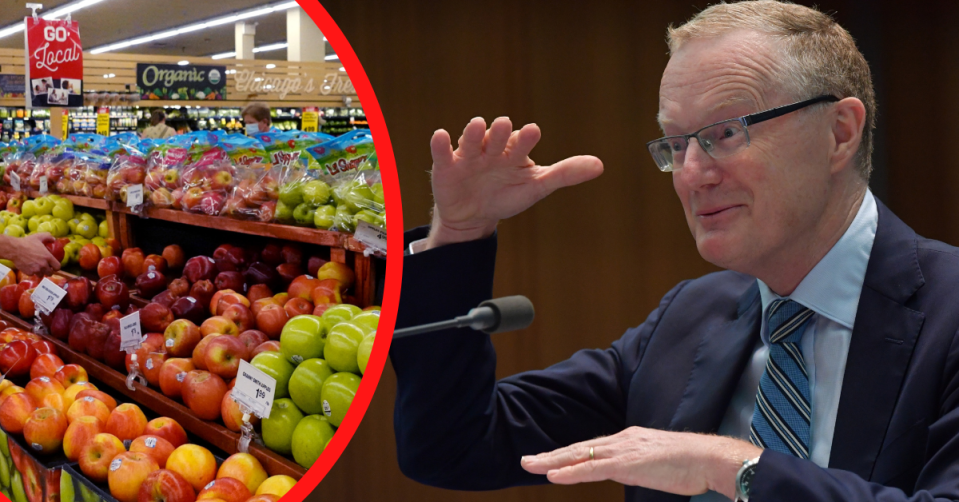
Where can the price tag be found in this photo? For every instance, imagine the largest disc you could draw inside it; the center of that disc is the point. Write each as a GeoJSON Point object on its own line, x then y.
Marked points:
{"type": "Point", "coordinates": [43, 185]}
{"type": "Point", "coordinates": [47, 296]}
{"type": "Point", "coordinates": [254, 389]}
{"type": "Point", "coordinates": [131, 335]}
{"type": "Point", "coordinates": [134, 195]}
{"type": "Point", "coordinates": [15, 181]}
{"type": "Point", "coordinates": [371, 235]}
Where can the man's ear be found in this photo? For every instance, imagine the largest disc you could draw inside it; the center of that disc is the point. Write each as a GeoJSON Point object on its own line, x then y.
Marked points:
{"type": "Point", "coordinates": [849, 119]}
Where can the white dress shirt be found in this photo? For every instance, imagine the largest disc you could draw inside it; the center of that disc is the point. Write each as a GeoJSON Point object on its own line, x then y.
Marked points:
{"type": "Point", "coordinates": [831, 290]}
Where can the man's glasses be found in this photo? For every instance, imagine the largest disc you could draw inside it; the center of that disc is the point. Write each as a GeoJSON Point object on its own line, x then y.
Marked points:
{"type": "Point", "coordinates": [721, 139]}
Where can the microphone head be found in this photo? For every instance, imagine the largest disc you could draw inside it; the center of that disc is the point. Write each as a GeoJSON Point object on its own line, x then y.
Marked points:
{"type": "Point", "coordinates": [512, 313]}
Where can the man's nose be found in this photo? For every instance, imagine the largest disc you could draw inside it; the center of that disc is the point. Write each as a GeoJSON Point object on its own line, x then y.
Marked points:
{"type": "Point", "coordinates": [698, 169]}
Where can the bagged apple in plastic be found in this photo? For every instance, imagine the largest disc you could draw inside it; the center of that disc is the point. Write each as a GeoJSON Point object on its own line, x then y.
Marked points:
{"type": "Point", "coordinates": [208, 178]}
{"type": "Point", "coordinates": [257, 189]}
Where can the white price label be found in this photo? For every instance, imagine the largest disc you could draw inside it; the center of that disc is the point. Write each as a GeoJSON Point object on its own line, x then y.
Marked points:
{"type": "Point", "coordinates": [371, 235]}
{"type": "Point", "coordinates": [47, 296]}
{"type": "Point", "coordinates": [43, 185]}
{"type": "Point", "coordinates": [15, 181]}
{"type": "Point", "coordinates": [131, 335]}
{"type": "Point", "coordinates": [254, 389]}
{"type": "Point", "coordinates": [134, 195]}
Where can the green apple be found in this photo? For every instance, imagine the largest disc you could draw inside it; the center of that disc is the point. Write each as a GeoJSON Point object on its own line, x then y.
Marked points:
{"type": "Point", "coordinates": [16, 487]}
{"type": "Point", "coordinates": [14, 231]}
{"type": "Point", "coordinates": [323, 216]}
{"type": "Point", "coordinates": [71, 252]}
{"type": "Point", "coordinates": [359, 197]}
{"type": "Point", "coordinates": [367, 216]}
{"type": "Point", "coordinates": [344, 219]}
{"type": "Point", "coordinates": [316, 193]}
{"type": "Point", "coordinates": [306, 382]}
{"type": "Point", "coordinates": [337, 395]}
{"type": "Point", "coordinates": [275, 365]}
{"type": "Point", "coordinates": [283, 212]}
{"type": "Point", "coordinates": [28, 209]}
{"type": "Point", "coordinates": [303, 214]}
{"type": "Point", "coordinates": [367, 320]}
{"type": "Point", "coordinates": [33, 224]}
{"type": "Point", "coordinates": [341, 346]}
{"type": "Point", "coordinates": [88, 494]}
{"type": "Point", "coordinates": [63, 209]}
{"type": "Point", "coordinates": [310, 437]}
{"type": "Point", "coordinates": [104, 229]}
{"type": "Point", "coordinates": [337, 314]}
{"type": "Point", "coordinates": [4, 445]}
{"type": "Point", "coordinates": [73, 225]}
{"type": "Point", "coordinates": [66, 487]}
{"type": "Point", "coordinates": [87, 217]}
{"type": "Point", "coordinates": [378, 193]}
{"type": "Point", "coordinates": [6, 493]}
{"type": "Point", "coordinates": [303, 337]}
{"type": "Point", "coordinates": [291, 194]}
{"type": "Point", "coordinates": [278, 429]}
{"type": "Point", "coordinates": [17, 220]}
{"type": "Point", "coordinates": [44, 206]}
{"type": "Point", "coordinates": [4, 472]}
{"type": "Point", "coordinates": [364, 350]}
{"type": "Point", "coordinates": [44, 227]}
{"type": "Point", "coordinates": [99, 241]}
{"type": "Point", "coordinates": [62, 229]}
{"type": "Point", "coordinates": [87, 229]}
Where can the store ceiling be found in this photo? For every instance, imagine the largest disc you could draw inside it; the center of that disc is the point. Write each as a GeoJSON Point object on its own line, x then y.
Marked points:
{"type": "Point", "coordinates": [115, 20]}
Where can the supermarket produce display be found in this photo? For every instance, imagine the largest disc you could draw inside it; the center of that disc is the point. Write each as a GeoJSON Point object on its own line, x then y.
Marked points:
{"type": "Point", "coordinates": [291, 298]}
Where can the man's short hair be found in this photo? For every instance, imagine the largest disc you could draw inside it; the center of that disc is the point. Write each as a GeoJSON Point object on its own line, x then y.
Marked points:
{"type": "Point", "coordinates": [157, 116]}
{"type": "Point", "coordinates": [820, 57]}
{"type": "Point", "coordinates": [259, 111]}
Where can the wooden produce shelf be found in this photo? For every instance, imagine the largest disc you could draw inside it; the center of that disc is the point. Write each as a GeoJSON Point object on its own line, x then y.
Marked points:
{"type": "Point", "coordinates": [273, 230]}
{"type": "Point", "coordinates": [212, 432]}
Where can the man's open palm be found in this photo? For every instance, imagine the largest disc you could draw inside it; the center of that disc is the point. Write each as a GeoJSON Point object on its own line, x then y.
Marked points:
{"type": "Point", "coordinates": [490, 177]}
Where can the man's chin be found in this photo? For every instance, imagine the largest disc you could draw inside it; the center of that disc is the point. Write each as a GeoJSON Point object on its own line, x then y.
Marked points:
{"type": "Point", "coordinates": [720, 249]}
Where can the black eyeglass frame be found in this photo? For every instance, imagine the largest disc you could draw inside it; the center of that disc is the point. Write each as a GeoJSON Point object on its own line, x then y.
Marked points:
{"type": "Point", "coordinates": [747, 120]}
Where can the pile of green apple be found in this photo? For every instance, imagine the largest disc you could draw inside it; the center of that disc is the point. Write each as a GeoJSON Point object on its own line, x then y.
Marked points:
{"type": "Point", "coordinates": [11, 480]}
{"type": "Point", "coordinates": [55, 215]}
{"type": "Point", "coordinates": [313, 203]}
{"type": "Point", "coordinates": [317, 372]}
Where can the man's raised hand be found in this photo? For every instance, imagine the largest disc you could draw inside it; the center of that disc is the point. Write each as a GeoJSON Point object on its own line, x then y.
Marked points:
{"type": "Point", "coordinates": [490, 177]}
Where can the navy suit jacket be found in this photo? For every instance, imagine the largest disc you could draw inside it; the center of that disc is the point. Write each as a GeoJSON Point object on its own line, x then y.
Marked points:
{"type": "Point", "coordinates": [897, 431]}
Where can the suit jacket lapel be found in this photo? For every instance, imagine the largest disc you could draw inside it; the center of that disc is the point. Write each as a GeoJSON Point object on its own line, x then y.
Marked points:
{"type": "Point", "coordinates": [883, 339]}
{"type": "Point", "coordinates": [719, 365]}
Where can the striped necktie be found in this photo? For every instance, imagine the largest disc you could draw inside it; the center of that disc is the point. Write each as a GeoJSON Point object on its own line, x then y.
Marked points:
{"type": "Point", "coordinates": [782, 415]}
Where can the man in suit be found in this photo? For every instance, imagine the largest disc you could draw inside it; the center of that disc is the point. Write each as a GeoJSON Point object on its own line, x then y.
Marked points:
{"type": "Point", "coordinates": [822, 365]}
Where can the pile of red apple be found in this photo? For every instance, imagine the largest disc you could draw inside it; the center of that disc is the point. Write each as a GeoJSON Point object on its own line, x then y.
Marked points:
{"type": "Point", "coordinates": [140, 460]}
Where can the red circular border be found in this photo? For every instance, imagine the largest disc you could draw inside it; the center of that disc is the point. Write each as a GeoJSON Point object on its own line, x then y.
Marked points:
{"type": "Point", "coordinates": [394, 269]}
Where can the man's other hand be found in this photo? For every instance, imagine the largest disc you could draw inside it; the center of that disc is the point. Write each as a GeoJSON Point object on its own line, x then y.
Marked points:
{"type": "Point", "coordinates": [490, 177]}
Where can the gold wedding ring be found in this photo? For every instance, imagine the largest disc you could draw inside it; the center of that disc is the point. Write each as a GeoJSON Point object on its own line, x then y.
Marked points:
{"type": "Point", "coordinates": [591, 453]}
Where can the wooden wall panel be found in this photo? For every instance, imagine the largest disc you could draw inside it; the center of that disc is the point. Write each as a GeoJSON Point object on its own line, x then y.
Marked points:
{"type": "Point", "coordinates": [595, 259]}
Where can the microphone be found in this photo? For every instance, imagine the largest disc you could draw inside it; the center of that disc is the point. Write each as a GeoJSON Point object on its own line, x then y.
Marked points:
{"type": "Point", "coordinates": [492, 316]}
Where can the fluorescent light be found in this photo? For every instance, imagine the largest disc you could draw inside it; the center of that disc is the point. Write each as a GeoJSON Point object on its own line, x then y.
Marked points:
{"type": "Point", "coordinates": [332, 57]}
{"type": "Point", "coordinates": [271, 47]}
{"type": "Point", "coordinates": [342, 69]}
{"type": "Point", "coordinates": [270, 66]}
{"type": "Point", "coordinates": [223, 55]}
{"type": "Point", "coordinates": [232, 18]}
{"type": "Point", "coordinates": [52, 14]}
{"type": "Point", "coordinates": [183, 63]}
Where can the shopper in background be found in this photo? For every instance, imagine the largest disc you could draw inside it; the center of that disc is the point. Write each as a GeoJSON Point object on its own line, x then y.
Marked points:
{"type": "Point", "coordinates": [29, 254]}
{"type": "Point", "coordinates": [158, 128]}
{"type": "Point", "coordinates": [256, 118]}
{"type": "Point", "coordinates": [821, 366]}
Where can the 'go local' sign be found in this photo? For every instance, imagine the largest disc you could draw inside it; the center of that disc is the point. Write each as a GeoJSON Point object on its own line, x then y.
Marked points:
{"type": "Point", "coordinates": [191, 82]}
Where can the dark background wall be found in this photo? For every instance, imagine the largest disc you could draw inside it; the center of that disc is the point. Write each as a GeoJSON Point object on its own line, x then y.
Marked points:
{"type": "Point", "coordinates": [595, 259]}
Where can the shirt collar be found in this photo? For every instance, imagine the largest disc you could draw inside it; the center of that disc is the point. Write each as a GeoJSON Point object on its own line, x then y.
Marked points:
{"type": "Point", "coordinates": [832, 288]}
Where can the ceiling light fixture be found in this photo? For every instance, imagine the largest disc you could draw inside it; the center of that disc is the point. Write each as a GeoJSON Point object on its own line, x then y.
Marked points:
{"type": "Point", "coordinates": [332, 57]}
{"type": "Point", "coordinates": [52, 14]}
{"type": "Point", "coordinates": [265, 48]}
{"type": "Point", "coordinates": [183, 63]}
{"type": "Point", "coordinates": [261, 11]}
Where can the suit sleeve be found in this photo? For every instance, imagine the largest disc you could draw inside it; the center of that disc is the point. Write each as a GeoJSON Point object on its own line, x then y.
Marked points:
{"type": "Point", "coordinates": [459, 428]}
{"type": "Point", "coordinates": [784, 478]}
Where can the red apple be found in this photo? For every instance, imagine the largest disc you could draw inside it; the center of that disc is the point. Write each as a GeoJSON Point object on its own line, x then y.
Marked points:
{"type": "Point", "coordinates": [155, 317]}
{"type": "Point", "coordinates": [203, 392]}
{"type": "Point", "coordinates": [241, 316]}
{"type": "Point", "coordinates": [150, 283]}
{"type": "Point", "coordinates": [126, 422]}
{"type": "Point", "coordinates": [174, 257]}
{"type": "Point", "coordinates": [199, 268]}
{"type": "Point", "coordinates": [179, 287]}
{"type": "Point", "coordinates": [292, 253]}
{"type": "Point", "coordinates": [10, 298]}
{"type": "Point", "coordinates": [189, 308]}
{"type": "Point", "coordinates": [272, 254]}
{"type": "Point", "coordinates": [95, 311]}
{"type": "Point", "coordinates": [112, 355]}
{"type": "Point", "coordinates": [181, 336]}
{"type": "Point", "coordinates": [327, 291]}
{"type": "Point", "coordinates": [128, 471]}
{"type": "Point", "coordinates": [96, 338]}
{"type": "Point", "coordinates": [78, 293]}
{"type": "Point", "coordinates": [45, 365]}
{"type": "Point", "coordinates": [44, 346]}
{"type": "Point", "coordinates": [44, 430]}
{"type": "Point", "coordinates": [60, 323]}
{"type": "Point", "coordinates": [230, 280]}
{"type": "Point", "coordinates": [258, 291]}
{"type": "Point", "coordinates": [314, 264]}
{"type": "Point", "coordinates": [16, 410]}
{"type": "Point", "coordinates": [80, 432]}
{"type": "Point", "coordinates": [70, 374]}
{"type": "Point", "coordinates": [199, 352]}
{"type": "Point", "coordinates": [223, 355]}
{"type": "Point", "coordinates": [165, 298]}
{"type": "Point", "coordinates": [218, 324]}
{"type": "Point", "coordinates": [252, 338]}
{"type": "Point", "coordinates": [302, 286]}
{"type": "Point", "coordinates": [132, 260]}
{"type": "Point", "coordinates": [163, 485]}
{"type": "Point", "coordinates": [168, 429]}
{"type": "Point", "coordinates": [172, 374]}
{"type": "Point", "coordinates": [154, 446]}
{"type": "Point", "coordinates": [56, 248]}
{"type": "Point", "coordinates": [203, 291]}
{"type": "Point", "coordinates": [225, 489]}
{"type": "Point", "coordinates": [89, 256]}
{"type": "Point", "coordinates": [113, 315]}
{"type": "Point", "coordinates": [98, 395]}
{"type": "Point", "coordinates": [156, 261]}
{"type": "Point", "coordinates": [322, 307]}
{"type": "Point", "coordinates": [16, 358]}
{"type": "Point", "coordinates": [298, 306]}
{"type": "Point", "coordinates": [338, 271]}
{"type": "Point", "coordinates": [270, 346]}
{"type": "Point", "coordinates": [288, 272]}
{"type": "Point", "coordinates": [111, 265]}
{"type": "Point", "coordinates": [151, 367]}
{"type": "Point", "coordinates": [111, 292]}
{"type": "Point", "coordinates": [271, 320]}
{"type": "Point", "coordinates": [232, 415]}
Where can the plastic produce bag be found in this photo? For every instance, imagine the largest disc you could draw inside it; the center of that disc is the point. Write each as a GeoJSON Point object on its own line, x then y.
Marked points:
{"type": "Point", "coordinates": [257, 188]}
{"type": "Point", "coordinates": [348, 164]}
{"type": "Point", "coordinates": [208, 178]}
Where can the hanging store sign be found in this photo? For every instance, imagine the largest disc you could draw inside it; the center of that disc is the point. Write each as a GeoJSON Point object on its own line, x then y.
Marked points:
{"type": "Point", "coordinates": [255, 82]}
{"type": "Point", "coordinates": [54, 72]}
{"type": "Point", "coordinates": [12, 86]}
{"type": "Point", "coordinates": [175, 82]}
